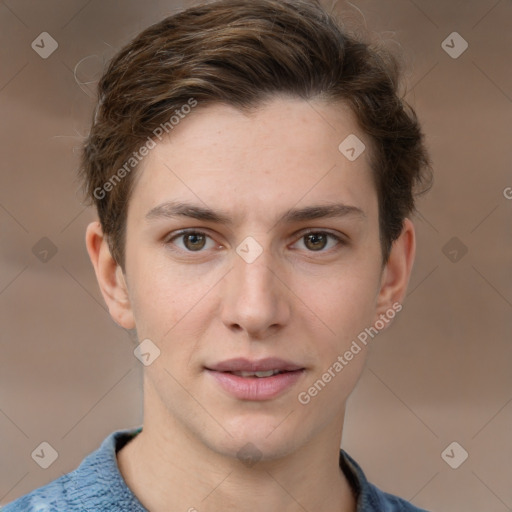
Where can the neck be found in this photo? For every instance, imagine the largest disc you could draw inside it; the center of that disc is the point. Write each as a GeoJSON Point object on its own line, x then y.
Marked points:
{"type": "Point", "coordinates": [168, 468]}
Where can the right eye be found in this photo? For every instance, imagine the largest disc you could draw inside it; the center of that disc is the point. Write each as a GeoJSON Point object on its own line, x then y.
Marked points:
{"type": "Point", "coordinates": [192, 240]}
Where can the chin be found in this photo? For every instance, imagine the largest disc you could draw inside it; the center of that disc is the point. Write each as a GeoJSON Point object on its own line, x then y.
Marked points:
{"type": "Point", "coordinates": [255, 438]}
{"type": "Point", "coordinates": [252, 449]}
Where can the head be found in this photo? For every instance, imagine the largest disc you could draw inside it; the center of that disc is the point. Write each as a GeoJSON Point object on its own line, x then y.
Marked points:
{"type": "Point", "coordinates": [252, 124]}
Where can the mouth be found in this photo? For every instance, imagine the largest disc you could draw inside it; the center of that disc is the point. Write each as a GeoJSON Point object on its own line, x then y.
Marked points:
{"type": "Point", "coordinates": [255, 380]}
{"type": "Point", "coordinates": [259, 375]}
{"type": "Point", "coordinates": [253, 367]}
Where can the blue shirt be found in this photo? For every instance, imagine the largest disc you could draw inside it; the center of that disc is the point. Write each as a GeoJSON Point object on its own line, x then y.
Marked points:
{"type": "Point", "coordinates": [98, 486]}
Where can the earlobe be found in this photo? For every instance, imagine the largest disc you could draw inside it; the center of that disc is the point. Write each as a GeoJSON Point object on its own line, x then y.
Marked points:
{"type": "Point", "coordinates": [110, 276]}
{"type": "Point", "coordinates": [397, 271]}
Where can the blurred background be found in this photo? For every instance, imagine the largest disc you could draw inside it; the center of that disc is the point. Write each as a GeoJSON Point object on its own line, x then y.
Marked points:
{"type": "Point", "coordinates": [431, 417]}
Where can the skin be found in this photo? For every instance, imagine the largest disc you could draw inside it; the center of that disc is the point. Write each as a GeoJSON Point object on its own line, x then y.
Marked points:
{"type": "Point", "coordinates": [301, 300]}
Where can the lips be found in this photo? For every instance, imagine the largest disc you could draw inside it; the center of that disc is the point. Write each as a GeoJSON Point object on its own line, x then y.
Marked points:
{"type": "Point", "coordinates": [255, 380]}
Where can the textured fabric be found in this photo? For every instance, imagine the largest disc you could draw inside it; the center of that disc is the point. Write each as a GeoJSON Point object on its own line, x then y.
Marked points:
{"type": "Point", "coordinates": [95, 486]}
{"type": "Point", "coordinates": [98, 486]}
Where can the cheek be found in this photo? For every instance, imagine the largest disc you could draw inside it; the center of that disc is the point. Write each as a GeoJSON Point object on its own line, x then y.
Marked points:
{"type": "Point", "coordinates": [343, 302]}
{"type": "Point", "coordinates": [165, 297]}
{"type": "Point", "coordinates": [344, 307]}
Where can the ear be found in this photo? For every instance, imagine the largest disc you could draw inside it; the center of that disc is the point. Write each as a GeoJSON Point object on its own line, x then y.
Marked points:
{"type": "Point", "coordinates": [396, 273]}
{"type": "Point", "coordinates": [110, 276]}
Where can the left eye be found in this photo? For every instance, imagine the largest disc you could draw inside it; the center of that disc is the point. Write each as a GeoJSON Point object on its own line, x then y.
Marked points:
{"type": "Point", "coordinates": [316, 241]}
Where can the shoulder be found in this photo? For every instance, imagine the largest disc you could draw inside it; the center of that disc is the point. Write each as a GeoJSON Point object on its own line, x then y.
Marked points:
{"type": "Point", "coordinates": [387, 502]}
{"type": "Point", "coordinates": [48, 498]}
{"type": "Point", "coordinates": [370, 497]}
{"type": "Point", "coordinates": [95, 482]}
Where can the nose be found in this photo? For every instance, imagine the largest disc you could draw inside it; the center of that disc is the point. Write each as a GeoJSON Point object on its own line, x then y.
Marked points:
{"type": "Point", "coordinates": [255, 297]}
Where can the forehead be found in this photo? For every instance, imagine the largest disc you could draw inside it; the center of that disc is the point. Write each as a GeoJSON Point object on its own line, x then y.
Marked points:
{"type": "Point", "coordinates": [287, 152]}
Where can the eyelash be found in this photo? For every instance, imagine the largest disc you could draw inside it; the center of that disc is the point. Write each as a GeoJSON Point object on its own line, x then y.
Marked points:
{"type": "Point", "coordinates": [340, 241]}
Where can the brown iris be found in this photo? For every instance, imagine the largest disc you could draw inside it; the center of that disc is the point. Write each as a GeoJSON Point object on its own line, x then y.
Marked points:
{"type": "Point", "coordinates": [197, 241]}
{"type": "Point", "coordinates": [318, 240]}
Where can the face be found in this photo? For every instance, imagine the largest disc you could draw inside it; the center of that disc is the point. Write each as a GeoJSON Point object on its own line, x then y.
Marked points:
{"type": "Point", "coordinates": [233, 265]}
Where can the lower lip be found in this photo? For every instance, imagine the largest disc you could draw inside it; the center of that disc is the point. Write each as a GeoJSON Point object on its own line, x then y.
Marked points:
{"type": "Point", "coordinates": [256, 388]}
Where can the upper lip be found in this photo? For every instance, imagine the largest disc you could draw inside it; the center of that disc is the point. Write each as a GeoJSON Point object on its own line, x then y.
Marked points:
{"type": "Point", "coordinates": [240, 364]}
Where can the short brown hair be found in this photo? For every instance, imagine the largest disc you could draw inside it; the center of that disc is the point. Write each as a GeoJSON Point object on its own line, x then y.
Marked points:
{"type": "Point", "coordinates": [242, 52]}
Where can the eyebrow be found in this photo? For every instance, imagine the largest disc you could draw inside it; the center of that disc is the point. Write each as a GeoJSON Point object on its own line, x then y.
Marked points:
{"type": "Point", "coordinates": [173, 209]}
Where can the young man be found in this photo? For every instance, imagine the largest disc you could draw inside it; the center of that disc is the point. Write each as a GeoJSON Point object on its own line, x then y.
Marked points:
{"type": "Point", "coordinates": [253, 170]}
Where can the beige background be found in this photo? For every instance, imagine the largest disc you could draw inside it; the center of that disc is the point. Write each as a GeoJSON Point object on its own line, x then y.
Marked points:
{"type": "Point", "coordinates": [441, 373]}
